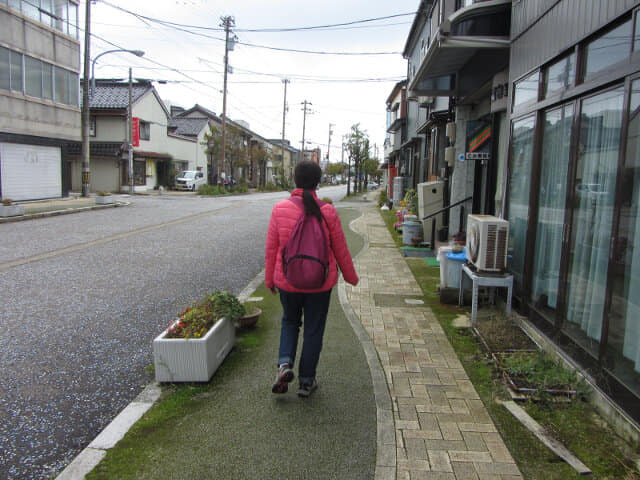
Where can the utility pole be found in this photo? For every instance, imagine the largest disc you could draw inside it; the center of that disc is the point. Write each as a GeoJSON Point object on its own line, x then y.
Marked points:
{"type": "Point", "coordinates": [86, 173]}
{"type": "Point", "coordinates": [130, 136]}
{"type": "Point", "coordinates": [329, 142]}
{"type": "Point", "coordinates": [227, 23]}
{"type": "Point", "coordinates": [304, 122]}
{"type": "Point", "coordinates": [348, 169]}
{"type": "Point", "coordinates": [284, 116]}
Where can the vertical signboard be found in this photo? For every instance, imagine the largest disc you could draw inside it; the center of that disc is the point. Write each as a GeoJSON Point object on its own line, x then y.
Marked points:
{"type": "Point", "coordinates": [135, 131]}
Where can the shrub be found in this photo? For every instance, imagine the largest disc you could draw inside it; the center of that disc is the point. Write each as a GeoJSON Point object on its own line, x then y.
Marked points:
{"type": "Point", "coordinates": [327, 200]}
{"type": "Point", "coordinates": [7, 201]}
{"type": "Point", "coordinates": [103, 193]}
{"type": "Point", "coordinates": [383, 198]}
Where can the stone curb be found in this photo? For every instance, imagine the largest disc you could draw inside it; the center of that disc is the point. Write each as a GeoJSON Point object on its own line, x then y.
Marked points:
{"type": "Point", "coordinates": [54, 213]}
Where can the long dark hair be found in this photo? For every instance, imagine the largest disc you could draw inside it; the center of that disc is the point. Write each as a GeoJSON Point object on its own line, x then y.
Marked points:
{"type": "Point", "coordinates": [307, 176]}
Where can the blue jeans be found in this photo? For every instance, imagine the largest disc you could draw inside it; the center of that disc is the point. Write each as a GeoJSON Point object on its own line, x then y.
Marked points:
{"type": "Point", "coordinates": [315, 307]}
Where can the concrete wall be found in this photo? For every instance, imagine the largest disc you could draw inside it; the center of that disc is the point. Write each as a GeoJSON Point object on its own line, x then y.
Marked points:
{"type": "Point", "coordinates": [110, 129]}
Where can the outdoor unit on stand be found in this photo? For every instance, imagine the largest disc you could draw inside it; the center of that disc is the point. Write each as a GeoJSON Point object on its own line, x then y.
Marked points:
{"type": "Point", "coordinates": [430, 201]}
{"type": "Point", "coordinates": [487, 238]}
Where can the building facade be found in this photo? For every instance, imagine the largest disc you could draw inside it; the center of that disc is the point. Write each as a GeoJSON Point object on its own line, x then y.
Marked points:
{"type": "Point", "coordinates": [574, 182]}
{"type": "Point", "coordinates": [534, 118]}
{"type": "Point", "coordinates": [39, 96]}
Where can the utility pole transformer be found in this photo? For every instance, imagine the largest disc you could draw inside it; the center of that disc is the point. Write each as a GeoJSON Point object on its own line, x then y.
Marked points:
{"type": "Point", "coordinates": [227, 23]}
{"type": "Point", "coordinates": [86, 173]}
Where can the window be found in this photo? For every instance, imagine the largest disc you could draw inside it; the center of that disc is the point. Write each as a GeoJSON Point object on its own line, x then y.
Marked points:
{"type": "Point", "coordinates": [61, 85]}
{"type": "Point", "coordinates": [16, 72]}
{"type": "Point", "coordinates": [556, 147]}
{"type": "Point", "coordinates": [73, 20]}
{"type": "Point", "coordinates": [92, 126]}
{"type": "Point", "coordinates": [5, 68]}
{"type": "Point", "coordinates": [47, 81]}
{"type": "Point", "coordinates": [624, 327]}
{"type": "Point", "coordinates": [31, 8]}
{"type": "Point", "coordinates": [560, 75]}
{"type": "Point", "coordinates": [46, 12]}
{"type": "Point", "coordinates": [522, 139]}
{"type": "Point", "coordinates": [60, 11]}
{"type": "Point", "coordinates": [145, 130]}
{"type": "Point", "coordinates": [599, 143]}
{"type": "Point", "coordinates": [608, 49]}
{"type": "Point", "coordinates": [32, 77]}
{"type": "Point", "coordinates": [526, 90]}
{"type": "Point", "coordinates": [73, 89]}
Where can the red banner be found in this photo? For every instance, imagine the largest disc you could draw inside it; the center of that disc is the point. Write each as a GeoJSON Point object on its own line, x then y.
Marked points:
{"type": "Point", "coordinates": [135, 131]}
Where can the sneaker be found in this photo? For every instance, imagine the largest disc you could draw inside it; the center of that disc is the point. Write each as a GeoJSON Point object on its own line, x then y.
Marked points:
{"type": "Point", "coordinates": [283, 377]}
{"type": "Point", "coordinates": [307, 389]}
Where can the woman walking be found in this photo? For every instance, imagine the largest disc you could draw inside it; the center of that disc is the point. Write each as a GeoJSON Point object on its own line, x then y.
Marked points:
{"type": "Point", "coordinates": [312, 302]}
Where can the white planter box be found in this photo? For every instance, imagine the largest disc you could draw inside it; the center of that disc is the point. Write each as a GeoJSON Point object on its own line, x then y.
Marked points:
{"type": "Point", "coordinates": [104, 200]}
{"type": "Point", "coordinates": [11, 210]}
{"type": "Point", "coordinates": [194, 359]}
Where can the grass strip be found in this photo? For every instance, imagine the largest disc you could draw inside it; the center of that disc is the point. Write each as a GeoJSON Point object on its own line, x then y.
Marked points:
{"type": "Point", "coordinates": [577, 425]}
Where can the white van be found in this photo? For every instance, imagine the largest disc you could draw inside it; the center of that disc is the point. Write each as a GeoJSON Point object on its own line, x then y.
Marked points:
{"type": "Point", "coordinates": [190, 180]}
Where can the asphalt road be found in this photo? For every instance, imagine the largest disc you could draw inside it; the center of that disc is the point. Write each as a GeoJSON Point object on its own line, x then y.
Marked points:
{"type": "Point", "coordinates": [81, 298]}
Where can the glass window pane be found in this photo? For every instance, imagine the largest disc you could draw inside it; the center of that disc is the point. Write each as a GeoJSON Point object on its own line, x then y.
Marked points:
{"type": "Point", "coordinates": [47, 81]}
{"type": "Point", "coordinates": [5, 68]}
{"type": "Point", "coordinates": [74, 86]}
{"type": "Point", "coordinates": [30, 8]}
{"type": "Point", "coordinates": [46, 12]}
{"type": "Point", "coordinates": [596, 169]}
{"type": "Point", "coordinates": [556, 145]}
{"type": "Point", "coordinates": [560, 75]}
{"type": "Point", "coordinates": [519, 187]}
{"type": "Point", "coordinates": [612, 47]}
{"type": "Point", "coordinates": [624, 318]}
{"type": "Point", "coordinates": [61, 87]}
{"type": "Point", "coordinates": [73, 20]}
{"type": "Point", "coordinates": [16, 72]}
{"type": "Point", "coordinates": [636, 38]}
{"type": "Point", "coordinates": [60, 10]}
{"type": "Point", "coordinates": [33, 77]}
{"type": "Point", "coordinates": [526, 89]}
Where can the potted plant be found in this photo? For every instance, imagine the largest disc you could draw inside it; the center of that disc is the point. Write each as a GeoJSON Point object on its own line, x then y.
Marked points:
{"type": "Point", "coordinates": [194, 346]}
{"type": "Point", "coordinates": [104, 198]}
{"type": "Point", "coordinates": [9, 209]}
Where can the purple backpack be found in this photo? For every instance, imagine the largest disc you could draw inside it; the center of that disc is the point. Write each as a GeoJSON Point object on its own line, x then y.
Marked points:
{"type": "Point", "coordinates": [305, 257]}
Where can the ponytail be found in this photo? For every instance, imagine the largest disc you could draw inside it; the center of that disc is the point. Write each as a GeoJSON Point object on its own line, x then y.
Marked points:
{"type": "Point", "coordinates": [310, 205]}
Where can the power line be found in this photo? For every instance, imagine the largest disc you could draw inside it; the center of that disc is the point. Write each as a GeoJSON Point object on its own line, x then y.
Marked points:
{"type": "Point", "coordinates": [184, 28]}
{"type": "Point", "coordinates": [265, 30]}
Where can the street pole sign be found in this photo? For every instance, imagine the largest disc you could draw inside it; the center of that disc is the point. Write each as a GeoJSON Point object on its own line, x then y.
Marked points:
{"type": "Point", "coordinates": [135, 131]}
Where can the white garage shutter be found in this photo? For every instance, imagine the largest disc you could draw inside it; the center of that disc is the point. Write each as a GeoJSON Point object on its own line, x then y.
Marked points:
{"type": "Point", "coordinates": [30, 172]}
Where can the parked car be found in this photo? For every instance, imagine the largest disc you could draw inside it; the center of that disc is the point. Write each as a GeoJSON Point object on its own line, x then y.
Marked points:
{"type": "Point", "coordinates": [372, 186]}
{"type": "Point", "coordinates": [190, 180]}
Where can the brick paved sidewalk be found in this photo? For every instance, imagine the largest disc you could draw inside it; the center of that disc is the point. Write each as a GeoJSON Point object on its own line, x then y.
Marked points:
{"type": "Point", "coordinates": [442, 429]}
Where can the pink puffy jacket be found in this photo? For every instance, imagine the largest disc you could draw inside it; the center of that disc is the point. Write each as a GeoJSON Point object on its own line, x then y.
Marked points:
{"type": "Point", "coordinates": [283, 218]}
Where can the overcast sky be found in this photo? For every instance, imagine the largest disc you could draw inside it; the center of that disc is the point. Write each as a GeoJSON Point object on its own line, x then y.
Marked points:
{"type": "Point", "coordinates": [191, 60]}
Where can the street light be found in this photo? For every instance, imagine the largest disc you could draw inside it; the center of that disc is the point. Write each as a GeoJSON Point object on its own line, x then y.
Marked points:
{"type": "Point", "coordinates": [137, 53]}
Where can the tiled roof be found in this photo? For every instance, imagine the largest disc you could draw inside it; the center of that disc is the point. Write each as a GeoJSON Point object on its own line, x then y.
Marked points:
{"type": "Point", "coordinates": [116, 94]}
{"type": "Point", "coordinates": [188, 126]}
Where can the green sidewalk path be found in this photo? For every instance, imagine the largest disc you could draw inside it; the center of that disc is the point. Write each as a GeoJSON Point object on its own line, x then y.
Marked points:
{"type": "Point", "coordinates": [235, 428]}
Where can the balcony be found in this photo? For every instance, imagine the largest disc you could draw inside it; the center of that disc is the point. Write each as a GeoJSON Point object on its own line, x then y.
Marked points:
{"type": "Point", "coordinates": [469, 47]}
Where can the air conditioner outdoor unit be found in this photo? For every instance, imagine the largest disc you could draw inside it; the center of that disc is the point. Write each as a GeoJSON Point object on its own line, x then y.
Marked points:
{"type": "Point", "coordinates": [487, 238]}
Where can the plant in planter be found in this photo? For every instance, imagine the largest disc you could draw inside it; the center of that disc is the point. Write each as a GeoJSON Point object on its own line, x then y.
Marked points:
{"type": "Point", "coordinates": [9, 209]}
{"type": "Point", "coordinates": [194, 346]}
{"type": "Point", "coordinates": [103, 197]}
